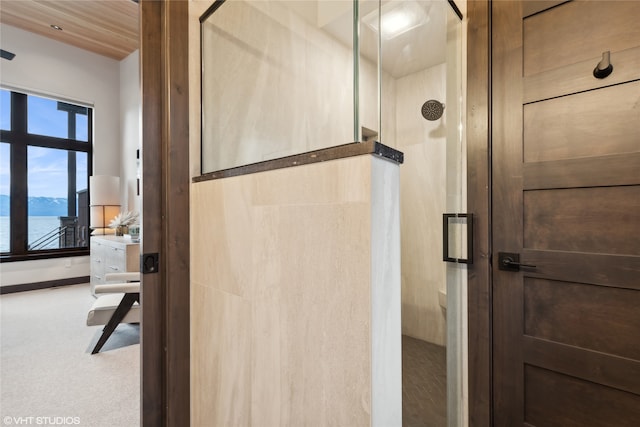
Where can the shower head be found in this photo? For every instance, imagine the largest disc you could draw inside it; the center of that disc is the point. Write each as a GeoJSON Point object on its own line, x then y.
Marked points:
{"type": "Point", "coordinates": [432, 109]}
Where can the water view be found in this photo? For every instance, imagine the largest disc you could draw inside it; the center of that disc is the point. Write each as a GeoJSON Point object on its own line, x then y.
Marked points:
{"type": "Point", "coordinates": [38, 227]}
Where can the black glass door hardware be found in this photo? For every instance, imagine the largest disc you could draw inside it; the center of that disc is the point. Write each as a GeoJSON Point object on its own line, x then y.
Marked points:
{"type": "Point", "coordinates": [509, 261]}
{"type": "Point", "coordinates": [460, 219]}
{"type": "Point", "coordinates": [604, 67]}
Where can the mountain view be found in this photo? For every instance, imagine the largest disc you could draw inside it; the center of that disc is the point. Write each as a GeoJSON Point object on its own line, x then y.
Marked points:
{"type": "Point", "coordinates": [38, 206]}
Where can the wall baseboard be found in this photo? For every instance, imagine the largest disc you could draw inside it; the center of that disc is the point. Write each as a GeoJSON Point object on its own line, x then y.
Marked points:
{"type": "Point", "coordinates": [10, 289]}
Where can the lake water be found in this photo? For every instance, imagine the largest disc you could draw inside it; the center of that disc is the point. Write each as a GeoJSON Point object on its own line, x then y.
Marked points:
{"type": "Point", "coordinates": [38, 227]}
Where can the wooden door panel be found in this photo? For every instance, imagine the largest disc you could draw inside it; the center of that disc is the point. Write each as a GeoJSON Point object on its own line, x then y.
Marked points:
{"type": "Point", "coordinates": [596, 269]}
{"type": "Point", "coordinates": [578, 76]}
{"type": "Point", "coordinates": [593, 220]}
{"type": "Point", "coordinates": [617, 169]}
{"type": "Point", "coordinates": [583, 315]}
{"type": "Point", "coordinates": [613, 371]}
{"type": "Point", "coordinates": [554, 399]}
{"type": "Point", "coordinates": [566, 197]}
{"type": "Point", "coordinates": [530, 7]}
{"type": "Point", "coordinates": [586, 27]}
{"type": "Point", "coordinates": [597, 122]}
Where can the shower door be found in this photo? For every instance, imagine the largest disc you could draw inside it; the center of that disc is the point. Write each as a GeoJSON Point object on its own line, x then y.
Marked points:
{"type": "Point", "coordinates": [417, 48]}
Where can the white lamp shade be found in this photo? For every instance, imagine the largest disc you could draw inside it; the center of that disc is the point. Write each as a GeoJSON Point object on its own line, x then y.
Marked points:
{"type": "Point", "coordinates": [102, 215]}
{"type": "Point", "coordinates": [104, 195]}
{"type": "Point", "coordinates": [104, 190]}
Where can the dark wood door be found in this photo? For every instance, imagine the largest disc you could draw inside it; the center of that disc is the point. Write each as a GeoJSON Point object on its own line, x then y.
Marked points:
{"type": "Point", "coordinates": [566, 198]}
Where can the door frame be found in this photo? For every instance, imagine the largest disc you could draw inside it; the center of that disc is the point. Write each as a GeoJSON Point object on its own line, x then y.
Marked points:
{"type": "Point", "coordinates": [479, 203]}
{"type": "Point", "coordinates": [164, 76]}
{"type": "Point", "coordinates": [165, 373]}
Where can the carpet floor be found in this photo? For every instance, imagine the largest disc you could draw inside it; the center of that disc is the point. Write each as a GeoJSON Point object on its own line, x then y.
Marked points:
{"type": "Point", "coordinates": [46, 366]}
{"type": "Point", "coordinates": [47, 370]}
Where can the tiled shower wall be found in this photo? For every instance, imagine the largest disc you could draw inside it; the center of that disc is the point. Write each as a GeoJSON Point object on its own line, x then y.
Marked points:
{"type": "Point", "coordinates": [269, 77]}
{"type": "Point", "coordinates": [422, 203]}
{"type": "Point", "coordinates": [277, 83]}
{"type": "Point", "coordinates": [296, 296]}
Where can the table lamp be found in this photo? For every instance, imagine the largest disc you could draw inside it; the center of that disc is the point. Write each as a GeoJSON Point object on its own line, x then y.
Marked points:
{"type": "Point", "coordinates": [104, 202]}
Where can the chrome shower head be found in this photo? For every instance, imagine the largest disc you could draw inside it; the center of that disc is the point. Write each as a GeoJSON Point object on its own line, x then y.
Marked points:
{"type": "Point", "coordinates": [432, 109]}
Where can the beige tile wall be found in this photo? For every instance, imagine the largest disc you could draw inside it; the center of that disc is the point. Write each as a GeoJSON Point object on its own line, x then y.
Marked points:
{"type": "Point", "coordinates": [422, 203]}
{"type": "Point", "coordinates": [277, 84]}
{"type": "Point", "coordinates": [282, 305]}
{"type": "Point", "coordinates": [286, 109]}
{"type": "Point", "coordinates": [420, 159]}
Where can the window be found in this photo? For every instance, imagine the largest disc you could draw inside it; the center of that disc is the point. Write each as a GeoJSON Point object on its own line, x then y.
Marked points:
{"type": "Point", "coordinates": [45, 163]}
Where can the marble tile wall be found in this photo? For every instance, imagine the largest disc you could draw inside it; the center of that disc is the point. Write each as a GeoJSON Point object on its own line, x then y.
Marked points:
{"type": "Point", "coordinates": [282, 300]}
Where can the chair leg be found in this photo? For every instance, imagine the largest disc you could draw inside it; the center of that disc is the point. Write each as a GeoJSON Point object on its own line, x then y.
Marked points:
{"type": "Point", "coordinates": [117, 316]}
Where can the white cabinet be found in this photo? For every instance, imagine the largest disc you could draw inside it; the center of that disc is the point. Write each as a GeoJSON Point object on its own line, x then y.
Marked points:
{"type": "Point", "coordinates": [112, 254]}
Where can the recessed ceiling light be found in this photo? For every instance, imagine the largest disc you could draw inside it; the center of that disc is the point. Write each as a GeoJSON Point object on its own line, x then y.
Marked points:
{"type": "Point", "coordinates": [56, 27]}
{"type": "Point", "coordinates": [397, 18]}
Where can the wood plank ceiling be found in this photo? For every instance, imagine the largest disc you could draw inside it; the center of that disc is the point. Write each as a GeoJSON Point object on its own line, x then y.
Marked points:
{"type": "Point", "coordinates": [106, 27]}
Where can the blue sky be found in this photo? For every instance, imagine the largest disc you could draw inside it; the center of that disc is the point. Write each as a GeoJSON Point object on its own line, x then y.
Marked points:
{"type": "Point", "coordinates": [47, 167]}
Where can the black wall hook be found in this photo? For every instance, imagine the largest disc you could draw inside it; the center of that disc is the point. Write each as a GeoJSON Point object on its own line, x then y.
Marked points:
{"type": "Point", "coordinates": [604, 67]}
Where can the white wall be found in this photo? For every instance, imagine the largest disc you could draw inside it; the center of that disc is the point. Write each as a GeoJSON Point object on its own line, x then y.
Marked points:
{"type": "Point", "coordinates": [43, 270]}
{"type": "Point", "coordinates": [130, 110]}
{"type": "Point", "coordinates": [46, 67]}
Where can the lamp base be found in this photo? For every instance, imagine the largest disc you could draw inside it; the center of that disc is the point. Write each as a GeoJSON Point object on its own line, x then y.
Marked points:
{"type": "Point", "coordinates": [103, 232]}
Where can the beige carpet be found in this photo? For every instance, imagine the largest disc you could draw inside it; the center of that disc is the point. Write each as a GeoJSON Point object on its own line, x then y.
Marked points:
{"type": "Point", "coordinates": [46, 366]}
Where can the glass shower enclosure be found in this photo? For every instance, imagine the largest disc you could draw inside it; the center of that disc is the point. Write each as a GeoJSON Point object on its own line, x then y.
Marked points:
{"type": "Point", "coordinates": [281, 78]}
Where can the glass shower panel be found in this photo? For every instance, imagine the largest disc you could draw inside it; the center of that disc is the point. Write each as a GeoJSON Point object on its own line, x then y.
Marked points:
{"type": "Point", "coordinates": [420, 107]}
{"type": "Point", "coordinates": [412, 60]}
{"type": "Point", "coordinates": [277, 80]}
{"type": "Point", "coordinates": [456, 202]}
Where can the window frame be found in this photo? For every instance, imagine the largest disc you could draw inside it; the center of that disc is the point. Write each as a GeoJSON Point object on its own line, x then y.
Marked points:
{"type": "Point", "coordinates": [19, 141]}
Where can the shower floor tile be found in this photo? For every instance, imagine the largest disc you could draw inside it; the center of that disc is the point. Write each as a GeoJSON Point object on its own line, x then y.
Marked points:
{"type": "Point", "coordinates": [424, 383]}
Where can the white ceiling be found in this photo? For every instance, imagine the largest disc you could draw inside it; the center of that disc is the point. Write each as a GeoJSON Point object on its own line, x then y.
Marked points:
{"type": "Point", "coordinates": [416, 49]}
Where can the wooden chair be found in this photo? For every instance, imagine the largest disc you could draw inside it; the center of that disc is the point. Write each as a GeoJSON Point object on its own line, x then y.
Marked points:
{"type": "Point", "coordinates": [116, 303]}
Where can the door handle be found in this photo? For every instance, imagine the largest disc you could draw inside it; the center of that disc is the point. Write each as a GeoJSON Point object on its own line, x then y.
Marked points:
{"type": "Point", "coordinates": [509, 261]}
{"type": "Point", "coordinates": [468, 218]}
